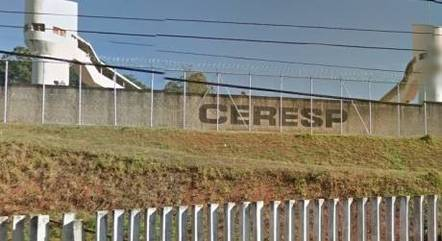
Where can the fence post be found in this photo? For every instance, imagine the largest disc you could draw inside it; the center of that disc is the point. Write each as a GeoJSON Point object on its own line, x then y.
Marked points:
{"type": "Point", "coordinates": [418, 222]}
{"type": "Point", "coordinates": [244, 221]}
{"type": "Point", "coordinates": [347, 219]}
{"type": "Point", "coordinates": [18, 227]}
{"type": "Point", "coordinates": [399, 109]}
{"type": "Point", "coordinates": [43, 98]}
{"type": "Point", "coordinates": [370, 108]}
{"type": "Point", "coordinates": [425, 112]}
{"type": "Point", "coordinates": [250, 102]}
{"type": "Point", "coordinates": [152, 80]}
{"type": "Point", "coordinates": [150, 222]}
{"type": "Point", "coordinates": [184, 99]}
{"type": "Point", "coordinates": [432, 217]}
{"type": "Point", "coordinates": [289, 221]}
{"type": "Point", "coordinates": [341, 106]}
{"type": "Point", "coordinates": [134, 224]}
{"type": "Point", "coordinates": [39, 228]}
{"type": "Point", "coordinates": [333, 219]}
{"type": "Point", "coordinates": [3, 228]}
{"type": "Point", "coordinates": [213, 221]}
{"type": "Point", "coordinates": [390, 201]}
{"type": "Point", "coordinates": [166, 224]}
{"type": "Point", "coordinates": [101, 226]}
{"type": "Point", "coordinates": [68, 227]}
{"type": "Point", "coordinates": [5, 110]}
{"type": "Point", "coordinates": [80, 80]}
{"type": "Point", "coordinates": [317, 224]}
{"type": "Point", "coordinates": [375, 217]}
{"type": "Point", "coordinates": [274, 221]}
{"type": "Point", "coordinates": [311, 106]}
{"type": "Point", "coordinates": [229, 220]}
{"type": "Point", "coordinates": [281, 88]}
{"type": "Point", "coordinates": [361, 218]}
{"type": "Point", "coordinates": [218, 79]}
{"type": "Point", "coordinates": [304, 213]}
{"type": "Point", "coordinates": [197, 223]}
{"type": "Point", "coordinates": [115, 99]}
{"type": "Point", "coordinates": [118, 225]}
{"type": "Point", "coordinates": [258, 222]}
{"type": "Point", "coordinates": [404, 226]}
{"type": "Point", "coordinates": [182, 223]}
{"type": "Point", "coordinates": [78, 231]}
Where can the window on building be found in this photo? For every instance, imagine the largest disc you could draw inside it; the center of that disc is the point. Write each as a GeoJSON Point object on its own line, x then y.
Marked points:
{"type": "Point", "coordinates": [59, 31]}
{"type": "Point", "coordinates": [38, 27]}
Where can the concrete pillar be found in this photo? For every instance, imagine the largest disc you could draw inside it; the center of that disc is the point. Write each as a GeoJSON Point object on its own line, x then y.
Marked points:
{"type": "Point", "coordinates": [166, 224]}
{"type": "Point", "coordinates": [404, 226]}
{"type": "Point", "coordinates": [432, 217]}
{"type": "Point", "coordinates": [317, 223]}
{"type": "Point", "coordinates": [101, 228]}
{"type": "Point", "coordinates": [258, 222]}
{"type": "Point", "coordinates": [362, 202]}
{"type": "Point", "coordinates": [182, 223]}
{"type": "Point", "coordinates": [376, 219]}
{"type": "Point", "coordinates": [289, 220]}
{"type": "Point", "coordinates": [18, 227]}
{"type": "Point", "coordinates": [244, 221]}
{"type": "Point", "coordinates": [390, 202]}
{"type": "Point", "coordinates": [229, 221]}
{"type": "Point", "coordinates": [118, 225]}
{"type": "Point", "coordinates": [304, 213]}
{"type": "Point", "coordinates": [78, 231]}
{"type": "Point", "coordinates": [150, 222]}
{"type": "Point", "coordinates": [274, 221]}
{"type": "Point", "coordinates": [134, 224]}
{"type": "Point", "coordinates": [197, 223]}
{"type": "Point", "coordinates": [213, 221]}
{"type": "Point", "coordinates": [3, 228]}
{"type": "Point", "coordinates": [68, 227]}
{"type": "Point", "coordinates": [333, 219]}
{"type": "Point", "coordinates": [347, 219]}
{"type": "Point", "coordinates": [418, 221]}
{"type": "Point", "coordinates": [39, 230]}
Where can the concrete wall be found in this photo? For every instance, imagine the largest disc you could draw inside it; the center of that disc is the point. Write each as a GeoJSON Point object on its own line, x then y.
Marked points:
{"type": "Point", "coordinates": [25, 104]}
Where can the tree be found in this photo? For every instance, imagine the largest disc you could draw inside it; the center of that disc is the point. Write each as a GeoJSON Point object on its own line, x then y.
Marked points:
{"type": "Point", "coordinates": [20, 68]}
{"type": "Point", "coordinates": [192, 88]}
{"type": "Point", "coordinates": [134, 80]}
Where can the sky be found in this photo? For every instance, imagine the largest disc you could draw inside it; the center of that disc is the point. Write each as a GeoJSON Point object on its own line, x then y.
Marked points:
{"type": "Point", "coordinates": [379, 14]}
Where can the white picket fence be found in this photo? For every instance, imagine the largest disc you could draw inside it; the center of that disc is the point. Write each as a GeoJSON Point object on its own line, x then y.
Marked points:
{"type": "Point", "coordinates": [361, 219]}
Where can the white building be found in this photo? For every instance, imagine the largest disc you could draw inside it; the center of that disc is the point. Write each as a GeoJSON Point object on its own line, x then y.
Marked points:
{"type": "Point", "coordinates": [51, 30]}
{"type": "Point", "coordinates": [423, 76]}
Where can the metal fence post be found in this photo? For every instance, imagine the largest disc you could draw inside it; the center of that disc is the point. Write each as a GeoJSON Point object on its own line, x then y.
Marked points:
{"type": "Point", "coordinates": [152, 80]}
{"type": "Point", "coordinates": [115, 99]}
{"type": "Point", "coordinates": [43, 98]}
{"type": "Point", "coordinates": [5, 110]}
{"type": "Point", "coordinates": [341, 106]}
{"type": "Point", "coordinates": [281, 88]}
{"type": "Point", "coordinates": [80, 80]}
{"type": "Point", "coordinates": [218, 78]}
{"type": "Point", "coordinates": [398, 110]}
{"type": "Point", "coordinates": [311, 106]}
{"type": "Point", "coordinates": [370, 108]}
{"type": "Point", "coordinates": [184, 99]}
{"type": "Point", "coordinates": [250, 102]}
{"type": "Point", "coordinates": [425, 112]}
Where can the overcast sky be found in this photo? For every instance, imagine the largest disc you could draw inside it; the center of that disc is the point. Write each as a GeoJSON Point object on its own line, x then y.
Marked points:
{"type": "Point", "coordinates": [382, 14]}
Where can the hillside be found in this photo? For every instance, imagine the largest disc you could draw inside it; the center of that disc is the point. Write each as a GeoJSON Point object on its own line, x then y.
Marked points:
{"type": "Point", "coordinates": [84, 169]}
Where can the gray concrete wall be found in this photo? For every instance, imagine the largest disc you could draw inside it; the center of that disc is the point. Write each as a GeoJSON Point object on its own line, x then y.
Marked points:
{"type": "Point", "coordinates": [134, 109]}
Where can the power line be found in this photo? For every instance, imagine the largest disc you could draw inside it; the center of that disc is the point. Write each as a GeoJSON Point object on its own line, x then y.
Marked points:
{"type": "Point", "coordinates": [211, 21]}
{"type": "Point", "coordinates": [263, 41]}
{"type": "Point", "coordinates": [131, 43]}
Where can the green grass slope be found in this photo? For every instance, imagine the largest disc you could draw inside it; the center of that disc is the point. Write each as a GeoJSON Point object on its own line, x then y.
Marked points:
{"type": "Point", "coordinates": [56, 169]}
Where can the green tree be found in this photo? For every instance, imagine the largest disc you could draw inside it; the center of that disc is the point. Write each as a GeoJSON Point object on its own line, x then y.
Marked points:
{"type": "Point", "coordinates": [20, 68]}
{"type": "Point", "coordinates": [192, 87]}
{"type": "Point", "coordinates": [134, 80]}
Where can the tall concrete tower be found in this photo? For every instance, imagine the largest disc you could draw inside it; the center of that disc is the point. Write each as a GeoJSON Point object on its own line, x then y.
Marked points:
{"type": "Point", "coordinates": [51, 30]}
{"type": "Point", "coordinates": [423, 76]}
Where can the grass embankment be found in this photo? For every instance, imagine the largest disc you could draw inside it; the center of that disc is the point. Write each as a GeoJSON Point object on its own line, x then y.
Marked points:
{"type": "Point", "coordinates": [56, 169]}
